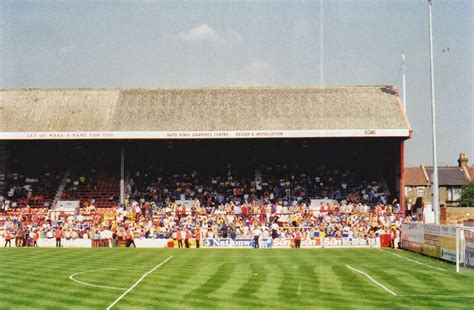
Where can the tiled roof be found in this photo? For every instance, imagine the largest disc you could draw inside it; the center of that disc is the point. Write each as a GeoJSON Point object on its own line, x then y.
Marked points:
{"type": "Point", "coordinates": [470, 171]}
{"type": "Point", "coordinates": [415, 176]}
{"type": "Point", "coordinates": [449, 176]}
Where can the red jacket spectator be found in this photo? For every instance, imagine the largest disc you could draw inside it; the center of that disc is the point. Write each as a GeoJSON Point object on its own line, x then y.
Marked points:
{"type": "Point", "coordinates": [188, 234]}
{"type": "Point", "coordinates": [298, 236]}
{"type": "Point", "coordinates": [178, 235]}
{"type": "Point", "coordinates": [58, 233]}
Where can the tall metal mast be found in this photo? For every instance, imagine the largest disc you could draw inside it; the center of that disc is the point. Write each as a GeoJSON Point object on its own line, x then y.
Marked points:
{"type": "Point", "coordinates": [435, 186]}
{"type": "Point", "coordinates": [404, 83]}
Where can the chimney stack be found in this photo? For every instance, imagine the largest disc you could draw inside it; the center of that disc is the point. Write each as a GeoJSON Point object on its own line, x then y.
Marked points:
{"type": "Point", "coordinates": [462, 161]}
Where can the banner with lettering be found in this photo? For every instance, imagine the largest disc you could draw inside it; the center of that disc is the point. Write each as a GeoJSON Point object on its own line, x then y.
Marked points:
{"type": "Point", "coordinates": [433, 240]}
{"type": "Point", "coordinates": [469, 248]}
{"type": "Point", "coordinates": [234, 243]}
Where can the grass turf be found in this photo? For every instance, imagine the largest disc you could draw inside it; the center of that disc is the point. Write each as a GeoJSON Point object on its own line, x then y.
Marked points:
{"type": "Point", "coordinates": [228, 279]}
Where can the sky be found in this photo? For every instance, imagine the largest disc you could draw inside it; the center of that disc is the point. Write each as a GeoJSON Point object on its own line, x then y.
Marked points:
{"type": "Point", "coordinates": [275, 43]}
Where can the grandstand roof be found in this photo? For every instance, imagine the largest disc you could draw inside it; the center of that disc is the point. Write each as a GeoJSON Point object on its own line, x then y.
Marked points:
{"type": "Point", "coordinates": [245, 112]}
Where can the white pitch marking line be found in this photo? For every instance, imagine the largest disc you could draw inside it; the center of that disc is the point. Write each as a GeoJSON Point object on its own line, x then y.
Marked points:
{"type": "Point", "coordinates": [466, 274]}
{"type": "Point", "coordinates": [373, 280]}
{"type": "Point", "coordinates": [138, 281]}
{"type": "Point", "coordinates": [414, 261]}
{"type": "Point", "coordinates": [71, 277]}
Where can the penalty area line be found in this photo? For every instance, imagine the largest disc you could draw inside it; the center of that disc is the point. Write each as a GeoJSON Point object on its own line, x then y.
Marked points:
{"type": "Point", "coordinates": [138, 281]}
{"type": "Point", "coordinates": [372, 279]}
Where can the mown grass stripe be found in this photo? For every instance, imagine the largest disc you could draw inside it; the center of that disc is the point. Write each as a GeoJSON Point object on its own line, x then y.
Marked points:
{"type": "Point", "coordinates": [203, 294]}
{"type": "Point", "coordinates": [275, 278]}
{"type": "Point", "coordinates": [237, 279]}
{"type": "Point", "coordinates": [138, 282]}
{"type": "Point", "coordinates": [38, 279]}
{"type": "Point", "coordinates": [258, 278]}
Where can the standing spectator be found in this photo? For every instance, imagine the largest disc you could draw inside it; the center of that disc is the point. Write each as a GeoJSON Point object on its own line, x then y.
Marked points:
{"type": "Point", "coordinates": [8, 238]}
{"type": "Point", "coordinates": [179, 237]}
{"type": "Point", "coordinates": [25, 236]}
{"type": "Point", "coordinates": [197, 236]}
{"type": "Point", "coordinates": [263, 216]}
{"type": "Point", "coordinates": [19, 238]}
{"type": "Point", "coordinates": [298, 239]}
{"type": "Point", "coordinates": [129, 237]}
{"type": "Point", "coordinates": [393, 236]}
{"type": "Point", "coordinates": [256, 236]}
{"type": "Point", "coordinates": [274, 230]}
{"type": "Point", "coordinates": [119, 237]}
{"type": "Point", "coordinates": [58, 234]}
{"type": "Point", "coordinates": [245, 211]}
{"type": "Point", "coordinates": [138, 212]}
{"type": "Point", "coordinates": [187, 235]}
{"type": "Point", "coordinates": [35, 238]}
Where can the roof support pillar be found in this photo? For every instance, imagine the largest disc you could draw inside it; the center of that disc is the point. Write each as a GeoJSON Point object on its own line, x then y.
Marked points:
{"type": "Point", "coordinates": [122, 173]}
{"type": "Point", "coordinates": [402, 177]}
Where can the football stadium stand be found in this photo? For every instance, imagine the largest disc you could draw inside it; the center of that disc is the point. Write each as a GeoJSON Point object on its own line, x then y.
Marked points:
{"type": "Point", "coordinates": [219, 162]}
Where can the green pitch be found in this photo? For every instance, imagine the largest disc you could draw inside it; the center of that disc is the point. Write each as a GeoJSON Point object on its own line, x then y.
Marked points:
{"type": "Point", "coordinates": [229, 279]}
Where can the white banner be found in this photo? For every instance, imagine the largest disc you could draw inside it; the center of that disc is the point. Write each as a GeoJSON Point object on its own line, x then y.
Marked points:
{"type": "Point", "coordinates": [234, 134]}
{"type": "Point", "coordinates": [350, 242]}
{"type": "Point", "coordinates": [87, 243]}
{"type": "Point", "coordinates": [68, 205]}
{"type": "Point", "coordinates": [71, 243]}
{"type": "Point", "coordinates": [227, 243]}
{"type": "Point", "coordinates": [413, 232]}
{"type": "Point", "coordinates": [329, 242]}
{"type": "Point", "coordinates": [432, 229]}
{"type": "Point", "coordinates": [287, 242]}
{"type": "Point", "coordinates": [234, 243]}
{"type": "Point", "coordinates": [151, 243]}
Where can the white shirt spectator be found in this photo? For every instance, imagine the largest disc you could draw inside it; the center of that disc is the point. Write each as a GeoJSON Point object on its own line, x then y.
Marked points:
{"type": "Point", "coordinates": [257, 232]}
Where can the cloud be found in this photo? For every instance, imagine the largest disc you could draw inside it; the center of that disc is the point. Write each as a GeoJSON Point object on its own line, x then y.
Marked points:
{"type": "Point", "coordinates": [203, 33]}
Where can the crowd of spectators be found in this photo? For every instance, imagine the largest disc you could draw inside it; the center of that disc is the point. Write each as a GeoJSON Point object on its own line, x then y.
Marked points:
{"type": "Point", "coordinates": [230, 220]}
{"type": "Point", "coordinates": [33, 189]}
{"type": "Point", "coordinates": [269, 183]}
{"type": "Point", "coordinates": [274, 202]}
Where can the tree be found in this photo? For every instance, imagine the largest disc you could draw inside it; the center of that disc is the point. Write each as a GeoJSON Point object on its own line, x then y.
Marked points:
{"type": "Point", "coordinates": [467, 196]}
